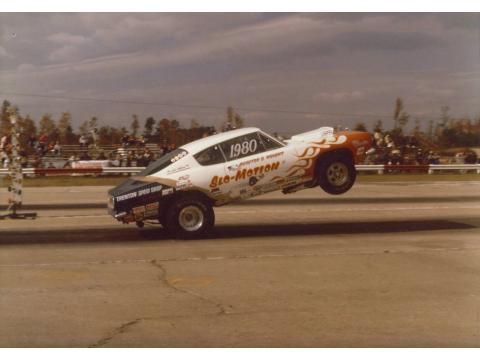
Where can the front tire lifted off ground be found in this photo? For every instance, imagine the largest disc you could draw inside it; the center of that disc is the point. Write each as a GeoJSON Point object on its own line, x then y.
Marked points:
{"type": "Point", "coordinates": [189, 216]}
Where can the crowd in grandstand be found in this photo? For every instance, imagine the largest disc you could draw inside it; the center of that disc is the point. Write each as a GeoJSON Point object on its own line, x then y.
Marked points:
{"type": "Point", "coordinates": [133, 151]}
{"type": "Point", "coordinates": [39, 153]}
{"type": "Point", "coordinates": [409, 151]}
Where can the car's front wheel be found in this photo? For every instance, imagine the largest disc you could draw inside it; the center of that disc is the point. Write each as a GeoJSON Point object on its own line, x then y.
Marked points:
{"type": "Point", "coordinates": [336, 173]}
{"type": "Point", "coordinates": [189, 216]}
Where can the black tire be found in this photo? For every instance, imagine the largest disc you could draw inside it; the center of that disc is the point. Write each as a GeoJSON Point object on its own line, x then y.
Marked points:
{"type": "Point", "coordinates": [189, 216]}
{"type": "Point", "coordinates": [336, 173]}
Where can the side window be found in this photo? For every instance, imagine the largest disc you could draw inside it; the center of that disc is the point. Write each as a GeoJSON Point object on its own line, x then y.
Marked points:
{"type": "Point", "coordinates": [210, 156]}
{"type": "Point", "coordinates": [242, 146]}
{"type": "Point", "coordinates": [268, 142]}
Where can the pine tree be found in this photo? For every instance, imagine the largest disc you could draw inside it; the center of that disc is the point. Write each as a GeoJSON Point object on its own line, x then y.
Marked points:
{"type": "Point", "coordinates": [5, 118]}
{"type": "Point", "coordinates": [65, 130]}
{"type": "Point", "coordinates": [148, 127]}
{"type": "Point", "coordinates": [48, 127]}
{"type": "Point", "coordinates": [360, 126]}
{"type": "Point", "coordinates": [135, 125]}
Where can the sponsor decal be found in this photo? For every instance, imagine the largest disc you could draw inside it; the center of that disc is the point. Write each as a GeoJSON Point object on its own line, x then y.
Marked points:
{"type": "Point", "coordinates": [167, 191]}
{"type": "Point", "coordinates": [139, 193]}
{"type": "Point", "coordinates": [138, 210]}
{"type": "Point", "coordinates": [184, 177]}
{"type": "Point", "coordinates": [244, 174]}
{"type": "Point", "coordinates": [152, 206]}
{"type": "Point", "coordinates": [178, 169]}
{"type": "Point", "coordinates": [259, 159]}
{"type": "Point", "coordinates": [126, 196]}
{"type": "Point", "coordinates": [183, 184]}
{"type": "Point", "coordinates": [151, 213]}
{"type": "Point", "coordinates": [271, 156]}
{"type": "Point", "coordinates": [178, 157]}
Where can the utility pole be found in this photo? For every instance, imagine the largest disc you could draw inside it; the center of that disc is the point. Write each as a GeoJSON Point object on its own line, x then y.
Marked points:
{"type": "Point", "coordinates": [16, 175]}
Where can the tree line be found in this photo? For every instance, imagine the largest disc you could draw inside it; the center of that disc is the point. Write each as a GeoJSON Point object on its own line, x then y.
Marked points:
{"type": "Point", "coordinates": [445, 132]}
{"type": "Point", "coordinates": [163, 131]}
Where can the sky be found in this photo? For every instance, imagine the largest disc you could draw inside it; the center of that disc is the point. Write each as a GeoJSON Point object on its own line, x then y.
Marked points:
{"type": "Point", "coordinates": [283, 72]}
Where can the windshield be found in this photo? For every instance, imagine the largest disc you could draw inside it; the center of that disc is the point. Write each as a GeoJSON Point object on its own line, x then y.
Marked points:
{"type": "Point", "coordinates": [164, 161]}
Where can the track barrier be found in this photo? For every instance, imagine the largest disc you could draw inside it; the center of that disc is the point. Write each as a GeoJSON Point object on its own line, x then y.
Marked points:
{"type": "Point", "coordinates": [380, 169]}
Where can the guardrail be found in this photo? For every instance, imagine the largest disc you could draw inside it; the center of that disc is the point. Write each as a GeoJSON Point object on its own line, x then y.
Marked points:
{"type": "Point", "coordinates": [430, 169]}
{"type": "Point", "coordinates": [77, 171]}
{"type": "Point", "coordinates": [380, 169]}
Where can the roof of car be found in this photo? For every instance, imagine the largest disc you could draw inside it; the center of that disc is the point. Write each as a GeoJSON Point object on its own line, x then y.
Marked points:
{"type": "Point", "coordinates": [203, 143]}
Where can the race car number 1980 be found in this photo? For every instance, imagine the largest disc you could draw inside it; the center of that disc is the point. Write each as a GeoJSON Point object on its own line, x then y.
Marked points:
{"type": "Point", "coordinates": [243, 148]}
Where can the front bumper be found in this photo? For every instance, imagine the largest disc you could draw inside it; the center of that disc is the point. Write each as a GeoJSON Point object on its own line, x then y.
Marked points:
{"type": "Point", "coordinates": [141, 209]}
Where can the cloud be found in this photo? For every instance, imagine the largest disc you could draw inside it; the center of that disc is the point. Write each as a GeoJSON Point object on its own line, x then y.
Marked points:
{"type": "Point", "coordinates": [339, 97]}
{"type": "Point", "coordinates": [387, 40]}
{"type": "Point", "coordinates": [66, 38]}
{"type": "Point", "coordinates": [3, 52]}
{"type": "Point", "coordinates": [349, 63]}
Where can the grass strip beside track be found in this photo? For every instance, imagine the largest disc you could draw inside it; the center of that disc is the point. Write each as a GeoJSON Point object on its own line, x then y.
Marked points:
{"type": "Point", "coordinates": [43, 181]}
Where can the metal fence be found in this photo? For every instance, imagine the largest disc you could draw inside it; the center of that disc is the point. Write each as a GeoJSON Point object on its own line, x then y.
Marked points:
{"type": "Point", "coordinates": [380, 169]}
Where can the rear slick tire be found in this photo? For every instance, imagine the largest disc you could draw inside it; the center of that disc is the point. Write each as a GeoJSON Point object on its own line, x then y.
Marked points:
{"type": "Point", "coordinates": [336, 173]}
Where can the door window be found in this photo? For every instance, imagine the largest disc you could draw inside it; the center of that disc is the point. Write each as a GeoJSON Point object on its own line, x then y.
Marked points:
{"type": "Point", "coordinates": [210, 156]}
{"type": "Point", "coordinates": [269, 143]}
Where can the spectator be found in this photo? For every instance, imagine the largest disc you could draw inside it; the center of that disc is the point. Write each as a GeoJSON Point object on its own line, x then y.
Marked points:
{"type": "Point", "coordinates": [131, 140]}
{"type": "Point", "coordinates": [164, 149]}
{"type": "Point", "coordinates": [140, 159]}
{"type": "Point", "coordinates": [148, 157]}
{"type": "Point", "coordinates": [32, 141]}
{"type": "Point", "coordinates": [3, 158]}
{"type": "Point", "coordinates": [57, 149]}
{"type": "Point", "coordinates": [378, 137]}
{"type": "Point", "coordinates": [3, 142]}
{"type": "Point", "coordinates": [37, 162]}
{"type": "Point", "coordinates": [131, 160]}
{"type": "Point", "coordinates": [170, 148]}
{"type": "Point", "coordinates": [50, 147]}
{"type": "Point", "coordinates": [124, 140]}
{"type": "Point", "coordinates": [433, 158]}
{"type": "Point", "coordinates": [42, 144]}
{"type": "Point", "coordinates": [83, 140]}
{"type": "Point", "coordinates": [395, 157]}
{"type": "Point", "coordinates": [460, 158]}
{"type": "Point", "coordinates": [23, 158]}
{"type": "Point", "coordinates": [70, 161]}
{"type": "Point", "coordinates": [470, 157]}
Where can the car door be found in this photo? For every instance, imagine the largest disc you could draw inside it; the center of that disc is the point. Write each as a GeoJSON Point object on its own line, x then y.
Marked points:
{"type": "Point", "coordinates": [211, 175]}
{"type": "Point", "coordinates": [253, 162]}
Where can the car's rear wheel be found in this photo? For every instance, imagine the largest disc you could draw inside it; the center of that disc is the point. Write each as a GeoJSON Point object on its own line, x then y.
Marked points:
{"type": "Point", "coordinates": [189, 216]}
{"type": "Point", "coordinates": [336, 173]}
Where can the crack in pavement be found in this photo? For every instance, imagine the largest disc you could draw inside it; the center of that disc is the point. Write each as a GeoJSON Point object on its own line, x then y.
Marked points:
{"type": "Point", "coordinates": [117, 331]}
{"type": "Point", "coordinates": [223, 309]}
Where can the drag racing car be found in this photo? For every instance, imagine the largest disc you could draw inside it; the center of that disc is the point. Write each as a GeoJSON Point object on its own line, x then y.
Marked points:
{"type": "Point", "coordinates": [180, 189]}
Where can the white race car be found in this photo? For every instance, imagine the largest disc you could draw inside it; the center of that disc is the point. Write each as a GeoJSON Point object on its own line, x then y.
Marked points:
{"type": "Point", "coordinates": [180, 189]}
